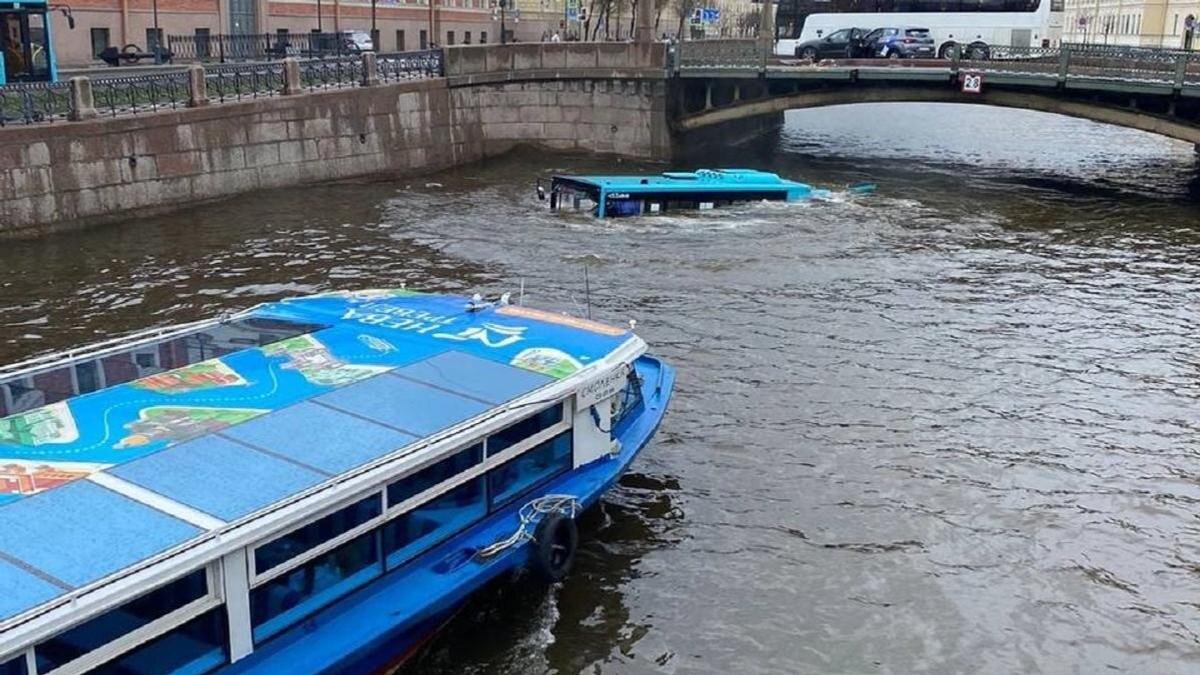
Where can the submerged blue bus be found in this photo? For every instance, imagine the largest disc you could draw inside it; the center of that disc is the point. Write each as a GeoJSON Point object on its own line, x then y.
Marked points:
{"type": "Point", "coordinates": [26, 51]}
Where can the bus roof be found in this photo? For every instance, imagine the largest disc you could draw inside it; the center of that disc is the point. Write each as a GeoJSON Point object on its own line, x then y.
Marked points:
{"type": "Point", "coordinates": [701, 180]}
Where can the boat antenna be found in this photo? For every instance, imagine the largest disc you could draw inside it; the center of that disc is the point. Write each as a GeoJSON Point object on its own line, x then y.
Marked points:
{"type": "Point", "coordinates": [587, 292]}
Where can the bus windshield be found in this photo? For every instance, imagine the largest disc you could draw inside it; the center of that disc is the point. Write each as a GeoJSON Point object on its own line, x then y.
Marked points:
{"type": "Point", "coordinates": [24, 44]}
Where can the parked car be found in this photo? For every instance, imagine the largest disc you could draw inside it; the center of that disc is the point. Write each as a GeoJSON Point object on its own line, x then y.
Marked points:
{"type": "Point", "coordinates": [846, 43]}
{"type": "Point", "coordinates": [899, 43]}
{"type": "Point", "coordinates": [359, 41]}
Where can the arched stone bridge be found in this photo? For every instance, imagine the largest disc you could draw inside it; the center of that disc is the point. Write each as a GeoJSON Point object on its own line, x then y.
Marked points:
{"type": "Point", "coordinates": [721, 82]}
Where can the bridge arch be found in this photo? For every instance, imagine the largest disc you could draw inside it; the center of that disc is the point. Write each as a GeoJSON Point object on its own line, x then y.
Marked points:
{"type": "Point", "coordinates": [1051, 101]}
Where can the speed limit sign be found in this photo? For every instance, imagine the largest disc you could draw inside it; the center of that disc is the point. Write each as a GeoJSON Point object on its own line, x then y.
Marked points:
{"type": "Point", "coordinates": [972, 83]}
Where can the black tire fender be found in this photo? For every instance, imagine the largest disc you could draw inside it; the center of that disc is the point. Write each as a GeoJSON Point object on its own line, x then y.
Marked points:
{"type": "Point", "coordinates": [555, 542]}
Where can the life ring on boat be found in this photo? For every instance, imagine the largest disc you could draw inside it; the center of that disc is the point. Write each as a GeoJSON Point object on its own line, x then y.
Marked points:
{"type": "Point", "coordinates": [555, 542]}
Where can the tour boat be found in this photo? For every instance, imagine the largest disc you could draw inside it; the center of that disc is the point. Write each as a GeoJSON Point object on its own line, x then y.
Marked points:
{"type": "Point", "coordinates": [311, 485]}
{"type": "Point", "coordinates": [611, 196]}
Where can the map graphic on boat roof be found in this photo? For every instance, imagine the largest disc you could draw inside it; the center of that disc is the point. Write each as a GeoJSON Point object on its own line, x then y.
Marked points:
{"type": "Point", "coordinates": [377, 371]}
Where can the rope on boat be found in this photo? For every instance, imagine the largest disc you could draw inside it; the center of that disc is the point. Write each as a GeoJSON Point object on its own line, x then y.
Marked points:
{"type": "Point", "coordinates": [529, 514]}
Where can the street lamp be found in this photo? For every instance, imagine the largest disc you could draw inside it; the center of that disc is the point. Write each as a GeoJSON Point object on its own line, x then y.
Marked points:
{"type": "Point", "coordinates": [374, 30]}
{"type": "Point", "coordinates": [503, 32]}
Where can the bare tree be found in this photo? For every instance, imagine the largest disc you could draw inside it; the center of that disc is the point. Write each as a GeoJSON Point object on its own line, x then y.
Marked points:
{"type": "Point", "coordinates": [684, 9]}
{"type": "Point", "coordinates": [747, 23]}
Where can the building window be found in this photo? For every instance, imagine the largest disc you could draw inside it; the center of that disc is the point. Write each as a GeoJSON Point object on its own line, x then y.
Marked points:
{"type": "Point", "coordinates": [399, 40]}
{"type": "Point", "coordinates": [203, 42]}
{"type": "Point", "coordinates": [197, 646]}
{"type": "Point", "coordinates": [297, 593]}
{"type": "Point", "coordinates": [483, 37]}
{"type": "Point", "coordinates": [466, 37]}
{"type": "Point", "coordinates": [510, 436]}
{"type": "Point", "coordinates": [141, 611]}
{"type": "Point", "coordinates": [434, 474]}
{"type": "Point", "coordinates": [100, 41]}
{"type": "Point", "coordinates": [14, 666]}
{"type": "Point", "coordinates": [449, 38]}
{"type": "Point", "coordinates": [316, 533]}
{"type": "Point", "coordinates": [433, 522]}
{"type": "Point", "coordinates": [425, 39]}
{"type": "Point", "coordinates": [154, 38]}
{"type": "Point", "coordinates": [517, 476]}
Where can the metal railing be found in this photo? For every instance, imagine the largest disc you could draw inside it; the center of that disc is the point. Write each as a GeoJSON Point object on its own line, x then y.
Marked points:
{"type": "Point", "coordinates": [141, 93]}
{"type": "Point", "coordinates": [234, 82]}
{"type": "Point", "coordinates": [332, 73]}
{"type": "Point", "coordinates": [395, 67]}
{"type": "Point", "coordinates": [34, 103]}
{"type": "Point", "coordinates": [115, 95]}
{"type": "Point", "coordinates": [1134, 65]}
{"type": "Point", "coordinates": [258, 47]}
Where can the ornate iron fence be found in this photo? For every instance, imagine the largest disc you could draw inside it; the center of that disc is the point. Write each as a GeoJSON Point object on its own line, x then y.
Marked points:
{"type": "Point", "coordinates": [333, 73]}
{"type": "Point", "coordinates": [34, 102]}
{"type": "Point", "coordinates": [141, 93]}
{"type": "Point", "coordinates": [399, 66]}
{"type": "Point", "coordinates": [234, 82]}
{"type": "Point", "coordinates": [1015, 60]}
{"type": "Point", "coordinates": [258, 47]}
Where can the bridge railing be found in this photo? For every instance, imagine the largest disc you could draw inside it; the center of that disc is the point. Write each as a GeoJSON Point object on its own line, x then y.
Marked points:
{"type": "Point", "coordinates": [1126, 64]}
{"type": "Point", "coordinates": [83, 98]}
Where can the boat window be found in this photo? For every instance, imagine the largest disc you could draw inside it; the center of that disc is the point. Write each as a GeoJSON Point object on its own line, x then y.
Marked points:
{"type": "Point", "coordinates": [511, 479]}
{"type": "Point", "coordinates": [198, 646]}
{"type": "Point", "coordinates": [314, 534]}
{"type": "Point", "coordinates": [27, 392]}
{"type": "Point", "coordinates": [433, 522]}
{"type": "Point", "coordinates": [508, 437]}
{"type": "Point", "coordinates": [95, 633]}
{"type": "Point", "coordinates": [297, 593]}
{"type": "Point", "coordinates": [14, 666]}
{"type": "Point", "coordinates": [628, 401]}
{"type": "Point", "coordinates": [410, 486]}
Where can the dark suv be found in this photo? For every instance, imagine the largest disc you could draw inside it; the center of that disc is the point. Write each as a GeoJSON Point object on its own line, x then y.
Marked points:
{"type": "Point", "coordinates": [899, 43]}
{"type": "Point", "coordinates": [846, 43]}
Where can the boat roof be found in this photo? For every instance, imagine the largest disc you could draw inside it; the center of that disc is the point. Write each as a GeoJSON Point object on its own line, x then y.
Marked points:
{"type": "Point", "coordinates": [97, 483]}
{"type": "Point", "coordinates": [701, 180]}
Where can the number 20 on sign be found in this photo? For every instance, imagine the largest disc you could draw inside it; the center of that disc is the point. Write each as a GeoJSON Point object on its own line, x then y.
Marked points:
{"type": "Point", "coordinates": [972, 83]}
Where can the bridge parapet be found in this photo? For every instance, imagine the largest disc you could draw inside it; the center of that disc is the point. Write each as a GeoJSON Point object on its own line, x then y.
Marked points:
{"type": "Point", "coordinates": [476, 63]}
{"type": "Point", "coordinates": [1127, 69]}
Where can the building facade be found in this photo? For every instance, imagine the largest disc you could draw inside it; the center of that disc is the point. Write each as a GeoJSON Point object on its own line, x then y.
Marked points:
{"type": "Point", "coordinates": [401, 25]}
{"type": "Point", "coordinates": [1133, 23]}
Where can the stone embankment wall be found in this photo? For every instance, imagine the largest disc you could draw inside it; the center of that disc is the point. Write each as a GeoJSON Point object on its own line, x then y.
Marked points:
{"type": "Point", "coordinates": [600, 98]}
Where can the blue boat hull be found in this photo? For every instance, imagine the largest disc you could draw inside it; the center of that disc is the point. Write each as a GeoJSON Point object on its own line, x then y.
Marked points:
{"type": "Point", "coordinates": [388, 621]}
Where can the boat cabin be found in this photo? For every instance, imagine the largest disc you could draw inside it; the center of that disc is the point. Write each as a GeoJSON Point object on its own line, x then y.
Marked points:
{"type": "Point", "coordinates": [311, 481]}
{"type": "Point", "coordinates": [614, 196]}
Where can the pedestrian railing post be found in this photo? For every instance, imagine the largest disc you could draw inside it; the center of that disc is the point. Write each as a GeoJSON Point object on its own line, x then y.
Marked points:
{"type": "Point", "coordinates": [1181, 64]}
{"type": "Point", "coordinates": [197, 86]}
{"type": "Point", "coordinates": [291, 76]}
{"type": "Point", "coordinates": [83, 105]}
{"type": "Point", "coordinates": [370, 69]}
{"type": "Point", "coordinates": [1064, 64]}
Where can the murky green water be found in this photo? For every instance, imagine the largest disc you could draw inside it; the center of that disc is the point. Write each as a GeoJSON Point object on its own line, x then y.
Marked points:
{"type": "Point", "coordinates": [952, 427]}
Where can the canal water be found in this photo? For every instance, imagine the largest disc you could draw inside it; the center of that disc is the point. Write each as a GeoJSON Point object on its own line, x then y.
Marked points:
{"type": "Point", "coordinates": [952, 427]}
